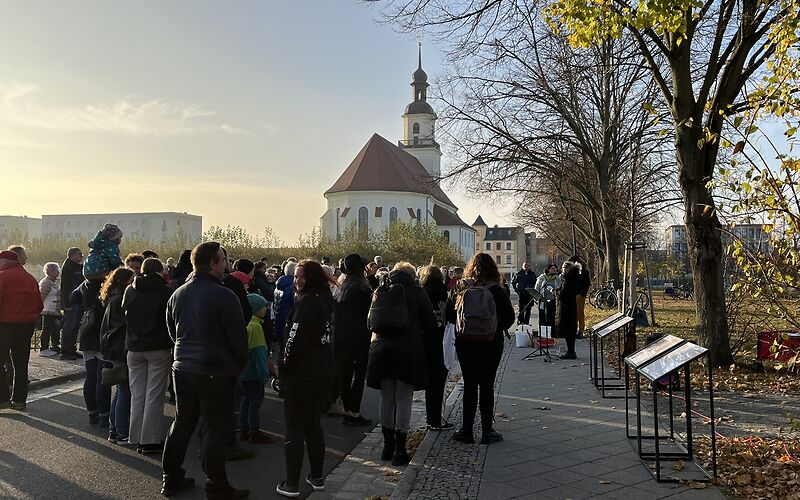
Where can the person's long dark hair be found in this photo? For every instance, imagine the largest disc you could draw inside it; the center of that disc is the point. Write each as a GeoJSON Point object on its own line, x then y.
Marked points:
{"type": "Point", "coordinates": [317, 280]}
{"type": "Point", "coordinates": [116, 281]}
{"type": "Point", "coordinates": [483, 268]}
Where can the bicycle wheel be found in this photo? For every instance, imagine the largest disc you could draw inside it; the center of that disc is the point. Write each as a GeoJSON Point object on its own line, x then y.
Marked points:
{"type": "Point", "coordinates": [605, 299]}
{"type": "Point", "coordinates": [680, 294]}
{"type": "Point", "coordinates": [642, 300]}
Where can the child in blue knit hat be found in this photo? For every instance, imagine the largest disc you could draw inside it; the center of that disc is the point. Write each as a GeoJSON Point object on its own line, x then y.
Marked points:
{"type": "Point", "coordinates": [103, 252]}
{"type": "Point", "coordinates": [255, 375]}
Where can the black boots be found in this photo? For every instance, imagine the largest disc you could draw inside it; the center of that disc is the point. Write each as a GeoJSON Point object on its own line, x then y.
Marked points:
{"type": "Point", "coordinates": [401, 456]}
{"type": "Point", "coordinates": [388, 443]}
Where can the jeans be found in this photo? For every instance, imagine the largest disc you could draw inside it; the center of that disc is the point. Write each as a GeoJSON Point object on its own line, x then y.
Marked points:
{"type": "Point", "coordinates": [252, 397]}
{"type": "Point", "coordinates": [120, 414]}
{"type": "Point", "coordinates": [15, 339]}
{"type": "Point", "coordinates": [69, 334]}
{"type": "Point", "coordinates": [303, 405]}
{"type": "Point", "coordinates": [50, 335]}
{"type": "Point", "coordinates": [148, 373]}
{"type": "Point", "coordinates": [395, 407]}
{"type": "Point", "coordinates": [479, 363]}
{"type": "Point", "coordinates": [209, 396]}
{"type": "Point", "coordinates": [96, 395]}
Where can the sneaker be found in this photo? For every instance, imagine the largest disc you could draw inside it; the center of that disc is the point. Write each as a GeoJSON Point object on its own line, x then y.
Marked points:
{"type": "Point", "coordinates": [113, 437]}
{"type": "Point", "coordinates": [287, 491]}
{"type": "Point", "coordinates": [261, 437]}
{"type": "Point", "coordinates": [491, 436]}
{"type": "Point", "coordinates": [17, 406]}
{"type": "Point", "coordinates": [237, 453]}
{"type": "Point", "coordinates": [149, 449]}
{"type": "Point", "coordinates": [123, 441]}
{"type": "Point", "coordinates": [464, 436]}
{"type": "Point", "coordinates": [171, 488]}
{"type": "Point", "coordinates": [317, 484]}
{"type": "Point", "coordinates": [356, 421]}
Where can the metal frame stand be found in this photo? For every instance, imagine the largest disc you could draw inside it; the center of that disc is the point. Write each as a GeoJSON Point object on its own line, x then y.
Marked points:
{"type": "Point", "coordinates": [594, 329]}
{"type": "Point", "coordinates": [601, 382]}
{"type": "Point", "coordinates": [542, 351]}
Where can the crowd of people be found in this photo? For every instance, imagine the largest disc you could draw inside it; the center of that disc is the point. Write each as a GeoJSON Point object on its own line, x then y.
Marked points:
{"type": "Point", "coordinates": [213, 333]}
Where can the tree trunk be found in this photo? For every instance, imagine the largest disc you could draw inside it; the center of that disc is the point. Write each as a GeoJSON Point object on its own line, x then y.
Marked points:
{"type": "Point", "coordinates": [705, 244]}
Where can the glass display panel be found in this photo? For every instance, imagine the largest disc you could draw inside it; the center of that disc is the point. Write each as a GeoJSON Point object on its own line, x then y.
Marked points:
{"type": "Point", "coordinates": [614, 317]}
{"type": "Point", "coordinates": [672, 360]}
{"type": "Point", "coordinates": [653, 350]}
{"type": "Point", "coordinates": [613, 326]}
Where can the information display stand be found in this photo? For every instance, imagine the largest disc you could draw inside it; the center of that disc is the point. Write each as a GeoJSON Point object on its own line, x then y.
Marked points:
{"type": "Point", "coordinates": [596, 328]}
{"type": "Point", "coordinates": [615, 383]}
{"type": "Point", "coordinates": [672, 357]}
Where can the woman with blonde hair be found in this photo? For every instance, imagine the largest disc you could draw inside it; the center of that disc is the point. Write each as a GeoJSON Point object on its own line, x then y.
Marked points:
{"type": "Point", "coordinates": [480, 360]}
{"type": "Point", "coordinates": [396, 364]}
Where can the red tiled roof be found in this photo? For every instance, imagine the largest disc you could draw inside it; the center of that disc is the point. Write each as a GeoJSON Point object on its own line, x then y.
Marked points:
{"type": "Point", "coordinates": [382, 166]}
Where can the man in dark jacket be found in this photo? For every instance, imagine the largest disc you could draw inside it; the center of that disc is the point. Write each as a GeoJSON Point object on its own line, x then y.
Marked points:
{"type": "Point", "coordinates": [20, 305]}
{"type": "Point", "coordinates": [205, 321]}
{"type": "Point", "coordinates": [524, 279]}
{"type": "Point", "coordinates": [71, 279]}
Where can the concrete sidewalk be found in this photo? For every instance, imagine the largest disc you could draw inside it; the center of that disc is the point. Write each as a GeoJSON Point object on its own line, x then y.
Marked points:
{"type": "Point", "coordinates": [45, 372]}
{"type": "Point", "coordinates": [562, 440]}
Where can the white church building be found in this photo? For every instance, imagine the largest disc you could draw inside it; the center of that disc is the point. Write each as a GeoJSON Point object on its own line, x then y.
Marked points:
{"type": "Point", "coordinates": [386, 183]}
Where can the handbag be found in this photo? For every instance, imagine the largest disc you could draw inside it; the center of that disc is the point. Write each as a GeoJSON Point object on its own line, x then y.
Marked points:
{"type": "Point", "coordinates": [449, 346]}
{"type": "Point", "coordinates": [114, 374]}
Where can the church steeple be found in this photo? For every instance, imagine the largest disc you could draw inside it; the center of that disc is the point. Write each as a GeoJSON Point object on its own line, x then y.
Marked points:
{"type": "Point", "coordinates": [419, 123]}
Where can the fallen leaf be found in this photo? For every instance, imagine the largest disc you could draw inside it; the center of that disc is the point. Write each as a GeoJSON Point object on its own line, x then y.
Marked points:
{"type": "Point", "coordinates": [679, 465]}
{"type": "Point", "coordinates": [695, 485]}
{"type": "Point", "coordinates": [602, 481]}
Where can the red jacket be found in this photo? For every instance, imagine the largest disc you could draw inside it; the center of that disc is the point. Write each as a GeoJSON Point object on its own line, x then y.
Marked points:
{"type": "Point", "coordinates": [20, 301]}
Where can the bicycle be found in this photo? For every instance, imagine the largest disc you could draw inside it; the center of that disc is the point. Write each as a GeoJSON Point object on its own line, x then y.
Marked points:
{"type": "Point", "coordinates": [607, 297]}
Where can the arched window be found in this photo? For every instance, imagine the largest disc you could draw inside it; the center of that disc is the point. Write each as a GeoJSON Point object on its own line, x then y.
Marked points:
{"type": "Point", "coordinates": [446, 235]}
{"type": "Point", "coordinates": [363, 222]}
{"type": "Point", "coordinates": [338, 215]}
{"type": "Point", "coordinates": [392, 215]}
{"type": "Point", "coordinates": [415, 128]}
{"type": "Point", "coordinates": [419, 215]}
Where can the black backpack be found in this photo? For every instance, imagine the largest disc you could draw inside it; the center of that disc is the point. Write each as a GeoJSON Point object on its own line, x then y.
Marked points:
{"type": "Point", "coordinates": [388, 313]}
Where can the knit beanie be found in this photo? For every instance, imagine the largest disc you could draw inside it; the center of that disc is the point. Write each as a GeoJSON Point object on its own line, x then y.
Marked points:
{"type": "Point", "coordinates": [243, 265]}
{"type": "Point", "coordinates": [257, 302]}
{"type": "Point", "coordinates": [112, 231]}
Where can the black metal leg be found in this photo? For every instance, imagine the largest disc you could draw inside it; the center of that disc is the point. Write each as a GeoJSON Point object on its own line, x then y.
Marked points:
{"type": "Point", "coordinates": [688, 393]}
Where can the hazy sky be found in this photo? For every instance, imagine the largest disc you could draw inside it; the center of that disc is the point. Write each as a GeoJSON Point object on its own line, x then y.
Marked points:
{"type": "Point", "coordinates": [243, 112]}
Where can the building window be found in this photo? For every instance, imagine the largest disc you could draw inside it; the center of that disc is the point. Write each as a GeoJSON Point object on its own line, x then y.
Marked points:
{"type": "Point", "coordinates": [508, 259]}
{"type": "Point", "coordinates": [163, 225]}
{"type": "Point", "coordinates": [378, 212]}
{"type": "Point", "coordinates": [488, 245]}
{"type": "Point", "coordinates": [363, 222]}
{"type": "Point", "coordinates": [498, 259]}
{"type": "Point", "coordinates": [419, 215]}
{"type": "Point", "coordinates": [497, 246]}
{"type": "Point", "coordinates": [392, 215]}
{"type": "Point", "coordinates": [446, 235]}
{"type": "Point", "coordinates": [508, 245]}
{"type": "Point", "coordinates": [338, 212]}
{"type": "Point", "coordinates": [415, 128]}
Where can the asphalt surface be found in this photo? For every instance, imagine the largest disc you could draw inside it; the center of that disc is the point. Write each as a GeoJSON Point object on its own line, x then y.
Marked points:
{"type": "Point", "coordinates": [52, 452]}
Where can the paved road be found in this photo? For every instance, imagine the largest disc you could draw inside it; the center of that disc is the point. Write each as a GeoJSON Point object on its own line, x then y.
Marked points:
{"type": "Point", "coordinates": [51, 452]}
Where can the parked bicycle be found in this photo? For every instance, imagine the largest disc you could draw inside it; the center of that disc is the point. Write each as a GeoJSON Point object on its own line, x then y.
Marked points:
{"type": "Point", "coordinates": [680, 292]}
{"type": "Point", "coordinates": [608, 297]}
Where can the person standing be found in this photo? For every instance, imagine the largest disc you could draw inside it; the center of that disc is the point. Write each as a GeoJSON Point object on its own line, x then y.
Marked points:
{"type": "Point", "coordinates": [112, 348]}
{"type": "Point", "coordinates": [397, 366]}
{"type": "Point", "coordinates": [307, 375]}
{"type": "Point", "coordinates": [71, 279]}
{"type": "Point", "coordinates": [480, 360]}
{"type": "Point", "coordinates": [149, 353]}
{"type": "Point", "coordinates": [205, 321]}
{"type": "Point", "coordinates": [523, 280]}
{"type": "Point", "coordinates": [49, 344]}
{"type": "Point", "coordinates": [134, 261]}
{"type": "Point", "coordinates": [181, 272]}
{"type": "Point", "coordinates": [20, 305]}
{"type": "Point", "coordinates": [432, 281]}
{"type": "Point", "coordinates": [546, 285]}
{"type": "Point", "coordinates": [255, 375]}
{"type": "Point", "coordinates": [584, 283]}
{"type": "Point", "coordinates": [351, 338]}
{"type": "Point", "coordinates": [566, 320]}
{"type": "Point", "coordinates": [96, 395]}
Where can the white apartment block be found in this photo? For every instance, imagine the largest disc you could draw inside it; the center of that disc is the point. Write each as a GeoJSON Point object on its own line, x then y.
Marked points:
{"type": "Point", "coordinates": [19, 227]}
{"type": "Point", "coordinates": [154, 227]}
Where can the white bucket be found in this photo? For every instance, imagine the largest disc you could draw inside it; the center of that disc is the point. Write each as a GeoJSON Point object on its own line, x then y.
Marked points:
{"type": "Point", "coordinates": [523, 337]}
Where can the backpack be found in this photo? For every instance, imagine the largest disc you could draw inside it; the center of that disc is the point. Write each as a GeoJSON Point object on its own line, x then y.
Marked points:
{"type": "Point", "coordinates": [476, 314]}
{"type": "Point", "coordinates": [388, 312]}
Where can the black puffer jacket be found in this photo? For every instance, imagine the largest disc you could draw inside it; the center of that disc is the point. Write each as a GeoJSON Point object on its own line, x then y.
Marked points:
{"type": "Point", "coordinates": [566, 321]}
{"type": "Point", "coordinates": [145, 306]}
{"type": "Point", "coordinates": [402, 357]}
{"type": "Point", "coordinates": [88, 295]}
{"type": "Point", "coordinates": [351, 331]}
{"type": "Point", "coordinates": [308, 353]}
{"type": "Point", "coordinates": [112, 330]}
{"type": "Point", "coordinates": [205, 320]}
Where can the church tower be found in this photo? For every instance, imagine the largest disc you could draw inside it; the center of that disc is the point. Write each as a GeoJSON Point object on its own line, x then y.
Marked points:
{"type": "Point", "coordinates": [418, 125]}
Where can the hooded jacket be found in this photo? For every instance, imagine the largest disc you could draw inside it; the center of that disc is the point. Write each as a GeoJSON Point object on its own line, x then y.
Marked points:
{"type": "Point", "coordinates": [112, 329]}
{"type": "Point", "coordinates": [20, 301]}
{"type": "Point", "coordinates": [351, 333]}
{"type": "Point", "coordinates": [308, 352]}
{"type": "Point", "coordinates": [402, 356]}
{"type": "Point", "coordinates": [88, 295]}
{"type": "Point", "coordinates": [145, 307]}
{"type": "Point", "coordinates": [205, 321]}
{"type": "Point", "coordinates": [103, 256]}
